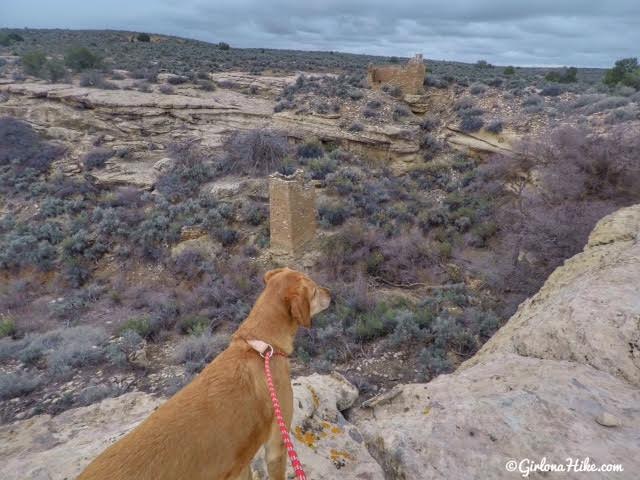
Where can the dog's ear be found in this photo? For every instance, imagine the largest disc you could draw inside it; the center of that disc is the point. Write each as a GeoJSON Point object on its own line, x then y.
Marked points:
{"type": "Point", "coordinates": [270, 274]}
{"type": "Point", "coordinates": [300, 307]}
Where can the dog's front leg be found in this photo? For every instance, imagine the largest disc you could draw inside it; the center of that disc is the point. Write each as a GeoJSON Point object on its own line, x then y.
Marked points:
{"type": "Point", "coordinates": [276, 455]}
{"type": "Point", "coordinates": [245, 474]}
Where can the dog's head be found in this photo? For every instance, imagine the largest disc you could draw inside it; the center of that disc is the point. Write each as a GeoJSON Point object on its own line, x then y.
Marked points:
{"type": "Point", "coordinates": [303, 296]}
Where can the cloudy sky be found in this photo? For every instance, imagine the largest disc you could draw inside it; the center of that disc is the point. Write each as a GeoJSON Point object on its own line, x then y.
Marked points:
{"type": "Point", "coordinates": [517, 32]}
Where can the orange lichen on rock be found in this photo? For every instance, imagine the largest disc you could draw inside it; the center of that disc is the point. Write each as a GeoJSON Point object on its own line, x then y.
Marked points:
{"type": "Point", "coordinates": [308, 438]}
{"type": "Point", "coordinates": [339, 457]}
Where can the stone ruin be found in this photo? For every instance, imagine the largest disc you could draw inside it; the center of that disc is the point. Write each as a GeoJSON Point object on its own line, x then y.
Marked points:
{"type": "Point", "coordinates": [292, 212]}
{"type": "Point", "coordinates": [409, 77]}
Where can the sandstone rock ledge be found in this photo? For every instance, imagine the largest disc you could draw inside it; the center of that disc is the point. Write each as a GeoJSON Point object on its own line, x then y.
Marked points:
{"type": "Point", "coordinates": [57, 448]}
{"type": "Point", "coordinates": [561, 379]}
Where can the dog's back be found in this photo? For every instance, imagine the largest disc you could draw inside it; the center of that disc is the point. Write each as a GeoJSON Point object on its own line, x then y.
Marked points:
{"type": "Point", "coordinates": [209, 430]}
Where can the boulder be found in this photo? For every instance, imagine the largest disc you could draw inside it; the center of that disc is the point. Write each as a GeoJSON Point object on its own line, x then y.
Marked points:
{"type": "Point", "coordinates": [471, 423]}
{"type": "Point", "coordinates": [328, 445]}
{"type": "Point", "coordinates": [56, 448]}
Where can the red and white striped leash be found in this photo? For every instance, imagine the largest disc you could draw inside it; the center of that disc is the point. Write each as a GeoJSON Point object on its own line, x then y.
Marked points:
{"type": "Point", "coordinates": [266, 351]}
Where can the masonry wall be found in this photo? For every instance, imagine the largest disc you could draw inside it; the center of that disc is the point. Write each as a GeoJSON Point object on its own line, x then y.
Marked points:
{"type": "Point", "coordinates": [409, 77]}
{"type": "Point", "coordinates": [292, 212]}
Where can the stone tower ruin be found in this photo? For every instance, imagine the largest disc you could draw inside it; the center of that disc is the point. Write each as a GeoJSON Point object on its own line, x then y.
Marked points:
{"type": "Point", "coordinates": [409, 77]}
{"type": "Point", "coordinates": [292, 212]}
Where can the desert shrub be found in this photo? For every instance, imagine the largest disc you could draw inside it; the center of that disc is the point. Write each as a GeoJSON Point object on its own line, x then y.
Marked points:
{"type": "Point", "coordinates": [96, 158]}
{"type": "Point", "coordinates": [96, 393]}
{"type": "Point", "coordinates": [187, 172]}
{"type": "Point", "coordinates": [283, 105]}
{"type": "Point", "coordinates": [79, 347]}
{"type": "Point", "coordinates": [177, 80]}
{"type": "Point", "coordinates": [189, 264]}
{"type": "Point", "coordinates": [140, 325]}
{"type": "Point", "coordinates": [431, 146]}
{"type": "Point", "coordinates": [194, 325]}
{"type": "Point", "coordinates": [166, 89]}
{"type": "Point", "coordinates": [223, 46]}
{"type": "Point", "coordinates": [143, 37]}
{"type": "Point", "coordinates": [374, 104]}
{"type": "Point", "coordinates": [81, 58]}
{"type": "Point", "coordinates": [607, 103]}
{"type": "Point", "coordinates": [477, 88]}
{"type": "Point", "coordinates": [369, 113]}
{"type": "Point", "coordinates": [257, 151]}
{"type": "Point", "coordinates": [509, 70]}
{"type": "Point", "coordinates": [533, 100]}
{"type": "Point", "coordinates": [568, 75]}
{"type": "Point", "coordinates": [495, 126]}
{"type": "Point", "coordinates": [483, 232]}
{"type": "Point", "coordinates": [582, 174]}
{"type": "Point", "coordinates": [401, 111]}
{"type": "Point", "coordinates": [55, 71]}
{"type": "Point", "coordinates": [320, 167]}
{"type": "Point", "coordinates": [471, 123]}
{"type": "Point", "coordinates": [194, 352]}
{"type": "Point", "coordinates": [356, 127]}
{"type": "Point", "coordinates": [588, 99]}
{"type": "Point", "coordinates": [472, 112]}
{"type": "Point", "coordinates": [435, 81]}
{"type": "Point", "coordinates": [206, 85]}
{"type": "Point", "coordinates": [7, 326]}
{"type": "Point", "coordinates": [62, 349]}
{"type": "Point", "coordinates": [22, 148]}
{"type": "Point", "coordinates": [17, 384]}
{"type": "Point", "coordinates": [148, 74]}
{"type": "Point", "coordinates": [355, 94]}
{"type": "Point", "coordinates": [408, 328]}
{"type": "Point", "coordinates": [393, 90]}
{"type": "Point", "coordinates": [226, 236]}
{"type": "Point", "coordinates": [430, 123]}
{"type": "Point", "coordinates": [310, 149]}
{"type": "Point", "coordinates": [33, 63]}
{"type": "Point", "coordinates": [126, 344]}
{"type": "Point", "coordinates": [142, 87]}
{"type": "Point", "coordinates": [620, 115]}
{"type": "Point", "coordinates": [257, 214]}
{"type": "Point", "coordinates": [25, 250]}
{"type": "Point", "coordinates": [551, 91]}
{"type": "Point", "coordinates": [95, 79]}
{"type": "Point", "coordinates": [333, 213]}
{"type": "Point", "coordinates": [465, 103]}
{"type": "Point", "coordinates": [434, 360]}
{"type": "Point", "coordinates": [624, 91]}
{"type": "Point", "coordinates": [626, 71]}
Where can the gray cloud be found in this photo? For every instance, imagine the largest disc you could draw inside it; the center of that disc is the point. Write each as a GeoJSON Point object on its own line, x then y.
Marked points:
{"type": "Point", "coordinates": [545, 32]}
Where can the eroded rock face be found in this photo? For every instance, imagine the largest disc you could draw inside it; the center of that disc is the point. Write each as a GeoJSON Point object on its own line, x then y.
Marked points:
{"type": "Point", "coordinates": [56, 448]}
{"type": "Point", "coordinates": [560, 380]}
{"type": "Point", "coordinates": [51, 448]}
{"type": "Point", "coordinates": [470, 424]}
{"type": "Point", "coordinates": [145, 123]}
{"type": "Point", "coordinates": [588, 311]}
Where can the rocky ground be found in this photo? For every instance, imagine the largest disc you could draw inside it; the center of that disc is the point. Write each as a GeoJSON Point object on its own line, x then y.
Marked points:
{"type": "Point", "coordinates": [559, 380]}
